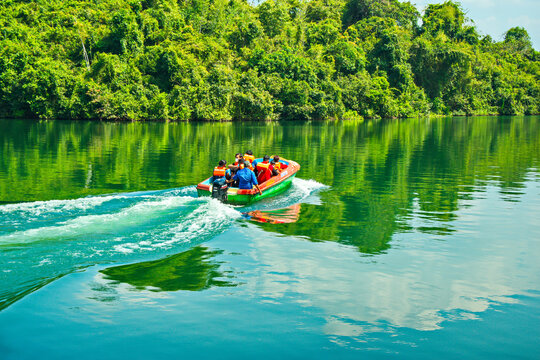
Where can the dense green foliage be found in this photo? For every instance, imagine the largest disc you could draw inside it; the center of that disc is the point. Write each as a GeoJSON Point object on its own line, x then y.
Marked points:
{"type": "Point", "coordinates": [282, 59]}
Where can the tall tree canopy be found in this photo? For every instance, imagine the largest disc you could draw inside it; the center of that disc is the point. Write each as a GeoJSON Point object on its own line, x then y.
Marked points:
{"type": "Point", "coordinates": [281, 59]}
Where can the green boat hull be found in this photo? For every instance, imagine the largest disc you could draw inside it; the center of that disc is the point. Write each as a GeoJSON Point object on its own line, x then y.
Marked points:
{"type": "Point", "coordinates": [244, 199]}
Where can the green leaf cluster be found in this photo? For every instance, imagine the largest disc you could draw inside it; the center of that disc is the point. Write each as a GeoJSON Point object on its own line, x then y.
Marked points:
{"type": "Point", "coordinates": [233, 60]}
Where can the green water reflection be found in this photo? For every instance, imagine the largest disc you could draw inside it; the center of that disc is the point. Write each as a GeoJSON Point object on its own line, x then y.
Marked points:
{"type": "Point", "coordinates": [191, 270]}
{"type": "Point", "coordinates": [378, 172]}
{"type": "Point", "coordinates": [393, 232]}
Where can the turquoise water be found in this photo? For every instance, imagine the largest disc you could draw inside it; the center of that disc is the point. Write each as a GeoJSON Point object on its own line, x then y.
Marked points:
{"type": "Point", "coordinates": [409, 239]}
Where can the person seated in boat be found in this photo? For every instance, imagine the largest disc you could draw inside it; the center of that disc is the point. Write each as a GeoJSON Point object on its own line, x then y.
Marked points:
{"type": "Point", "coordinates": [264, 169]}
{"type": "Point", "coordinates": [220, 173]}
{"type": "Point", "coordinates": [249, 156]}
{"type": "Point", "coordinates": [234, 167]}
{"type": "Point", "coordinates": [248, 163]}
{"type": "Point", "coordinates": [246, 178]}
{"type": "Point", "coordinates": [277, 166]}
{"type": "Point", "coordinates": [237, 159]}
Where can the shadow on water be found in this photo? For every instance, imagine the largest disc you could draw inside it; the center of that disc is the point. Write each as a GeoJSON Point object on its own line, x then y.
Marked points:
{"type": "Point", "coordinates": [191, 270]}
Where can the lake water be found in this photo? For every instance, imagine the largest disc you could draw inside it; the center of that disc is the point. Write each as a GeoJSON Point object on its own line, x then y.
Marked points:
{"type": "Point", "coordinates": [413, 239]}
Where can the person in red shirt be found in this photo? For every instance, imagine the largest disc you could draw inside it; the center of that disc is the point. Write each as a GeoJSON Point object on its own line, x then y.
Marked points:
{"type": "Point", "coordinates": [264, 170]}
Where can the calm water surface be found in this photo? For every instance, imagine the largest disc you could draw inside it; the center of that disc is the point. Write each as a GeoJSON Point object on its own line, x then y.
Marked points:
{"type": "Point", "coordinates": [411, 239]}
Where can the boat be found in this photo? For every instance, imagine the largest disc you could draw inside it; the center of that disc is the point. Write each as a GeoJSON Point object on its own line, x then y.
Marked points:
{"type": "Point", "coordinates": [272, 187]}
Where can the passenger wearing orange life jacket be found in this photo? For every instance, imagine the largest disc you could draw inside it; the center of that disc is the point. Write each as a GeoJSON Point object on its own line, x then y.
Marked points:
{"type": "Point", "coordinates": [264, 169]}
{"type": "Point", "coordinates": [249, 156]}
{"type": "Point", "coordinates": [277, 166]}
{"type": "Point", "coordinates": [220, 172]}
{"type": "Point", "coordinates": [248, 163]}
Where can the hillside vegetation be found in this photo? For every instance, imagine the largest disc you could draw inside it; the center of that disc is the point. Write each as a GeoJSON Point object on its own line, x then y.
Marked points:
{"type": "Point", "coordinates": [281, 59]}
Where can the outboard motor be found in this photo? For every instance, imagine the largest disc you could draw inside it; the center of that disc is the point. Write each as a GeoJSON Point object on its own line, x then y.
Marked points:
{"type": "Point", "coordinates": [219, 189]}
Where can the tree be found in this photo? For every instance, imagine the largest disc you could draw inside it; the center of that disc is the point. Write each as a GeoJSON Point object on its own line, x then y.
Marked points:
{"type": "Point", "coordinates": [273, 16]}
{"type": "Point", "coordinates": [447, 18]}
{"type": "Point", "coordinates": [517, 39]}
{"type": "Point", "coordinates": [403, 12]}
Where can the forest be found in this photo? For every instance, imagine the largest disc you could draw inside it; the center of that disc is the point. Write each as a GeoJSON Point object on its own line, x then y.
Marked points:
{"type": "Point", "coordinates": [223, 60]}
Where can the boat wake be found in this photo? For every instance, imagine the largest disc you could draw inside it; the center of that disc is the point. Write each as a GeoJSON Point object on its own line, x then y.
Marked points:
{"type": "Point", "coordinates": [301, 191]}
{"type": "Point", "coordinates": [44, 240]}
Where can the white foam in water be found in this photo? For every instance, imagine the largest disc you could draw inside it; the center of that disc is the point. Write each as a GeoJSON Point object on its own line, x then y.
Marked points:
{"type": "Point", "coordinates": [126, 248]}
{"type": "Point", "coordinates": [308, 186]}
{"type": "Point", "coordinates": [146, 223]}
{"type": "Point", "coordinates": [95, 224]}
{"type": "Point", "coordinates": [86, 203]}
{"type": "Point", "coordinates": [185, 191]}
{"type": "Point", "coordinates": [40, 207]}
{"type": "Point", "coordinates": [210, 218]}
{"type": "Point", "coordinates": [45, 261]}
{"type": "Point", "coordinates": [301, 191]}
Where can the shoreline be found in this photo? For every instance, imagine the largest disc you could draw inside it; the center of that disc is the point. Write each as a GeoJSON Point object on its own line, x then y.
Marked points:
{"type": "Point", "coordinates": [361, 119]}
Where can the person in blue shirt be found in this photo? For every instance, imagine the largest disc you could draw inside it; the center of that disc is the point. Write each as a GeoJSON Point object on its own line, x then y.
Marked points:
{"type": "Point", "coordinates": [246, 178]}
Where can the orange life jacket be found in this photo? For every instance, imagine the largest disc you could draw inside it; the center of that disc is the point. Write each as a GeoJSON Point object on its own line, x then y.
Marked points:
{"type": "Point", "coordinates": [220, 171]}
{"type": "Point", "coordinates": [241, 166]}
{"type": "Point", "coordinates": [277, 165]}
{"type": "Point", "coordinates": [249, 158]}
{"type": "Point", "coordinates": [261, 166]}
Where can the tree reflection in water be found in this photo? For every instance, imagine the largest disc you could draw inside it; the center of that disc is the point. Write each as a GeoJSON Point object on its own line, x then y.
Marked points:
{"type": "Point", "coordinates": [191, 270]}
